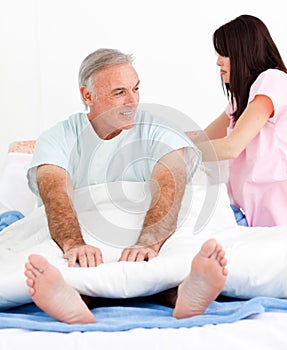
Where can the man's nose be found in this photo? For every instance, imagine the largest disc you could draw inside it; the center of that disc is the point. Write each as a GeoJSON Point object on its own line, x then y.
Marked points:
{"type": "Point", "coordinates": [132, 98]}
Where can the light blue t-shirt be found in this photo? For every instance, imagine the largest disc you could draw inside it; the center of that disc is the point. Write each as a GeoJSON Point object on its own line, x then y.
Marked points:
{"type": "Point", "coordinates": [74, 145]}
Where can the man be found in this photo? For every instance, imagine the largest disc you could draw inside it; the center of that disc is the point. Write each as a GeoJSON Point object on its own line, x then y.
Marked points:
{"type": "Point", "coordinates": [113, 141]}
{"type": "Point", "coordinates": [81, 151]}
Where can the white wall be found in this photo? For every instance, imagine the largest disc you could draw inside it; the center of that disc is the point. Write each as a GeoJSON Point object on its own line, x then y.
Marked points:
{"type": "Point", "coordinates": [42, 43]}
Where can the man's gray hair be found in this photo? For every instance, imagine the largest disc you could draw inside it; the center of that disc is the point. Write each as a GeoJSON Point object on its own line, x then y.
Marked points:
{"type": "Point", "coordinates": [98, 60]}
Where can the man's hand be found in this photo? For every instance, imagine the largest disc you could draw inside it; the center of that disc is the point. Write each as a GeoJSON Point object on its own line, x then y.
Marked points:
{"type": "Point", "coordinates": [138, 253]}
{"type": "Point", "coordinates": [85, 255]}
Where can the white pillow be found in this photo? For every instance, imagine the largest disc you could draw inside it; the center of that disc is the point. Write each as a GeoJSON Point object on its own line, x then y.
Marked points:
{"type": "Point", "coordinates": [117, 222]}
{"type": "Point", "coordinates": [14, 191]}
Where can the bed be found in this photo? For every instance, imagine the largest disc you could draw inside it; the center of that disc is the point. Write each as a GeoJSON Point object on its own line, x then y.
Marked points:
{"type": "Point", "coordinates": [124, 321]}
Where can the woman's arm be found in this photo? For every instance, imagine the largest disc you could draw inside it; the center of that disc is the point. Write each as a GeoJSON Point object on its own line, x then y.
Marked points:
{"type": "Point", "coordinates": [246, 128]}
{"type": "Point", "coordinates": [218, 128]}
{"type": "Point", "coordinates": [215, 130]}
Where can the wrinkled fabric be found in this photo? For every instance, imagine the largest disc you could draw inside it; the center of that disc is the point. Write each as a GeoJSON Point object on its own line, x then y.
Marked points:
{"type": "Point", "coordinates": [128, 315]}
{"type": "Point", "coordinates": [9, 217]}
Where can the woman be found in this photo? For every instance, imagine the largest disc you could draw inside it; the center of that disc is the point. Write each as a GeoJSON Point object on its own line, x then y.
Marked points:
{"type": "Point", "coordinates": [252, 131]}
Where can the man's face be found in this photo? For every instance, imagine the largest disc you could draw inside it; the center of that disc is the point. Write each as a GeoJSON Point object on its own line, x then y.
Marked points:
{"type": "Point", "coordinates": [114, 99]}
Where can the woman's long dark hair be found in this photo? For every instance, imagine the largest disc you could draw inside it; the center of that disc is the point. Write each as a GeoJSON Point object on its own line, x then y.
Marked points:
{"type": "Point", "coordinates": [251, 50]}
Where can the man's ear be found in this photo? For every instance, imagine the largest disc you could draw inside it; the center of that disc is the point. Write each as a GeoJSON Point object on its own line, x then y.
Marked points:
{"type": "Point", "coordinates": [87, 96]}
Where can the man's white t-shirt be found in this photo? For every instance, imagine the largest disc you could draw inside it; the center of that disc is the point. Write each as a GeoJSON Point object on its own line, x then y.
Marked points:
{"type": "Point", "coordinates": [74, 145]}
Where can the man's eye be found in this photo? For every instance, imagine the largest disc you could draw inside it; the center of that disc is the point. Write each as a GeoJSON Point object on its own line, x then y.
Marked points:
{"type": "Point", "coordinates": [119, 93]}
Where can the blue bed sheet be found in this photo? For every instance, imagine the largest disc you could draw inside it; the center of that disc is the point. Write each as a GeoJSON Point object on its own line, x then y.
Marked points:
{"type": "Point", "coordinates": [127, 315]}
{"type": "Point", "coordinates": [9, 217]}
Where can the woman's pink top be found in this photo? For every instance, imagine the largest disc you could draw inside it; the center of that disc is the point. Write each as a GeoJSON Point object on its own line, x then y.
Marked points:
{"type": "Point", "coordinates": [258, 176]}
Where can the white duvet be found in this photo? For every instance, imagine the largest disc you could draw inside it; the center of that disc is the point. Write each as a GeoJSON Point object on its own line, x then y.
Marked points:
{"type": "Point", "coordinates": [111, 217]}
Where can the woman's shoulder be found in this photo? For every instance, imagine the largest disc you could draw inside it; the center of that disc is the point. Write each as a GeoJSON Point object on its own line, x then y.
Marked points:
{"type": "Point", "coordinates": [272, 73]}
{"type": "Point", "coordinates": [270, 81]}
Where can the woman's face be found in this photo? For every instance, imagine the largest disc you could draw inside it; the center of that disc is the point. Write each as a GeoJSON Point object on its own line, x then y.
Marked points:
{"type": "Point", "coordinates": [224, 64]}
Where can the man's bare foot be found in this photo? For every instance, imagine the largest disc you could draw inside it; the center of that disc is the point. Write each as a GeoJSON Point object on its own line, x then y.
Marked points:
{"type": "Point", "coordinates": [53, 295]}
{"type": "Point", "coordinates": [204, 282]}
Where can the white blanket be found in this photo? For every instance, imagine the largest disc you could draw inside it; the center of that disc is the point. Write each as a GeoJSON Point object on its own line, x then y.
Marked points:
{"type": "Point", "coordinates": [111, 217]}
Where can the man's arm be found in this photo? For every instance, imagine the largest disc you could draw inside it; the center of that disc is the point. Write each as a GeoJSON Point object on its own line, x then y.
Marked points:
{"type": "Point", "coordinates": [56, 191]}
{"type": "Point", "coordinates": [167, 188]}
